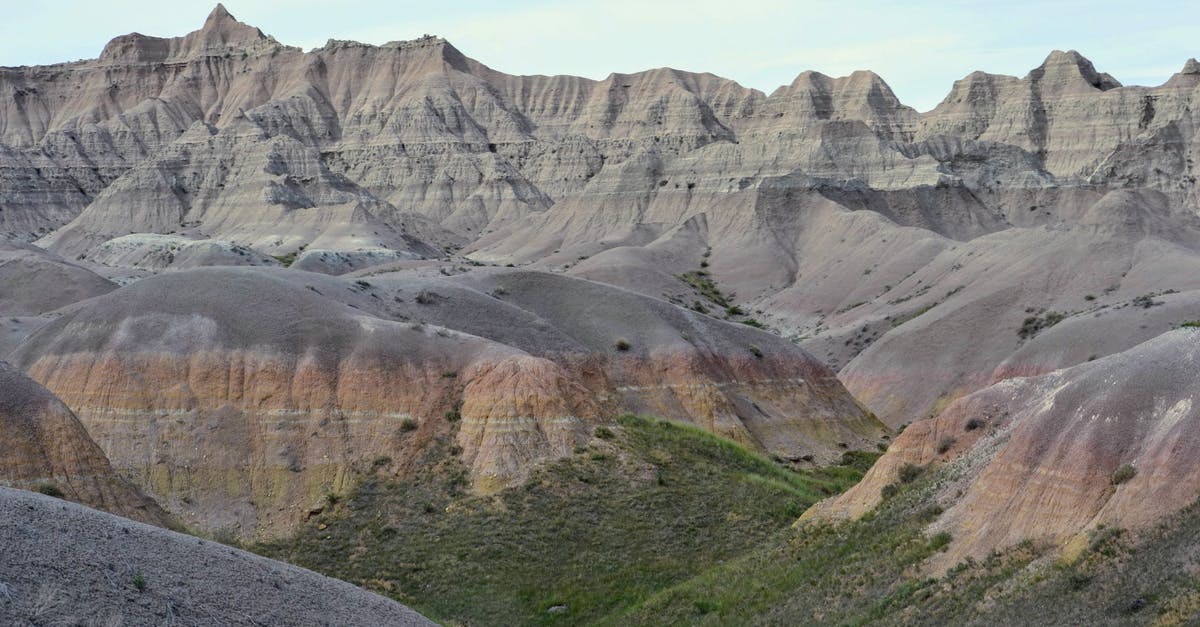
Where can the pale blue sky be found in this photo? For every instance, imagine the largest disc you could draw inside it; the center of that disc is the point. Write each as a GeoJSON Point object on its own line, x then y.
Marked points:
{"type": "Point", "coordinates": [919, 47]}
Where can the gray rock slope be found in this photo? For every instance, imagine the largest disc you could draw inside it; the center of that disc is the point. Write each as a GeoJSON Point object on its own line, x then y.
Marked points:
{"type": "Point", "coordinates": [65, 564]}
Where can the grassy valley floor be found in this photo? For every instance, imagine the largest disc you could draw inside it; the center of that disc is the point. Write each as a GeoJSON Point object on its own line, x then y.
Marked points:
{"type": "Point", "coordinates": [661, 523]}
{"type": "Point", "coordinates": [648, 505]}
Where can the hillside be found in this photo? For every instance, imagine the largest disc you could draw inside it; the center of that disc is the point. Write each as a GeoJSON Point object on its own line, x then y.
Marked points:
{"type": "Point", "coordinates": [67, 564]}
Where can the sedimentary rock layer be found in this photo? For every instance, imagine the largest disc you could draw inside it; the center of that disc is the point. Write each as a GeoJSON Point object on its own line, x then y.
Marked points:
{"type": "Point", "coordinates": [46, 448]}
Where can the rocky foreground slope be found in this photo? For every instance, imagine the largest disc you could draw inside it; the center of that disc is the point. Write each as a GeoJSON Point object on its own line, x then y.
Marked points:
{"type": "Point", "coordinates": [67, 564]}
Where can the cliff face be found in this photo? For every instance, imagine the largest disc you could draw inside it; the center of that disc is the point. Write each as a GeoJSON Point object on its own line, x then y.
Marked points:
{"type": "Point", "coordinates": [45, 446]}
{"type": "Point", "coordinates": [243, 412]}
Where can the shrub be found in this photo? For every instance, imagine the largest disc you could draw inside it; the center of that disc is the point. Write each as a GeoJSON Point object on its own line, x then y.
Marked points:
{"type": "Point", "coordinates": [450, 374]}
{"type": "Point", "coordinates": [604, 433]}
{"type": "Point", "coordinates": [1123, 474]}
{"type": "Point", "coordinates": [49, 489]}
{"type": "Point", "coordinates": [426, 297]}
{"type": "Point", "coordinates": [974, 424]}
{"type": "Point", "coordinates": [139, 582]}
{"type": "Point", "coordinates": [382, 460]}
{"type": "Point", "coordinates": [753, 323]}
{"type": "Point", "coordinates": [756, 351]}
{"type": "Point", "coordinates": [1191, 324]}
{"type": "Point", "coordinates": [623, 344]}
{"type": "Point", "coordinates": [945, 444]}
{"type": "Point", "coordinates": [454, 415]}
{"type": "Point", "coordinates": [735, 311]}
{"type": "Point", "coordinates": [1035, 324]}
{"type": "Point", "coordinates": [889, 491]}
{"type": "Point", "coordinates": [939, 541]}
{"type": "Point", "coordinates": [910, 472]}
{"type": "Point", "coordinates": [1146, 301]}
{"type": "Point", "coordinates": [408, 424]}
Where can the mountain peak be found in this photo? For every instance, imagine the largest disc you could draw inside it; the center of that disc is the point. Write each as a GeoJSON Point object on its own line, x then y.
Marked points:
{"type": "Point", "coordinates": [222, 29]}
{"type": "Point", "coordinates": [219, 12]}
{"type": "Point", "coordinates": [1065, 69]}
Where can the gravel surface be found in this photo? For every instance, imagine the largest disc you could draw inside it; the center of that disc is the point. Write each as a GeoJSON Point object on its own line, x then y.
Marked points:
{"type": "Point", "coordinates": [65, 564]}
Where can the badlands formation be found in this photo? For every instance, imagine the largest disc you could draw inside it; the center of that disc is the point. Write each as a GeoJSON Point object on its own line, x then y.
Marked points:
{"type": "Point", "coordinates": [258, 274]}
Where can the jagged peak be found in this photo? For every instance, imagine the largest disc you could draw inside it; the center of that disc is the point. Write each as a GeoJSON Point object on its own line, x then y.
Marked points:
{"type": "Point", "coordinates": [1063, 67]}
{"type": "Point", "coordinates": [1188, 77]}
{"type": "Point", "coordinates": [218, 13]}
{"type": "Point", "coordinates": [221, 31]}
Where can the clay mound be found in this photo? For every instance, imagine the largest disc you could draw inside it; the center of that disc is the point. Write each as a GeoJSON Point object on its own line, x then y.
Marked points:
{"type": "Point", "coordinates": [1041, 458]}
{"type": "Point", "coordinates": [240, 400]}
{"type": "Point", "coordinates": [33, 281]}
{"type": "Point", "coordinates": [241, 397]}
{"type": "Point", "coordinates": [978, 309]}
{"type": "Point", "coordinates": [67, 564]}
{"type": "Point", "coordinates": [147, 251]}
{"type": "Point", "coordinates": [645, 355]}
{"type": "Point", "coordinates": [46, 448]}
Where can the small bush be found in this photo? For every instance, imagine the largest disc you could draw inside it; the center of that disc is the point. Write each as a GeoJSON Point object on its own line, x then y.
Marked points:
{"type": "Point", "coordinates": [735, 311]}
{"type": "Point", "coordinates": [139, 582]}
{"type": "Point", "coordinates": [604, 433]}
{"type": "Point", "coordinates": [425, 297]}
{"type": "Point", "coordinates": [408, 424]}
{"type": "Point", "coordinates": [939, 541]}
{"type": "Point", "coordinates": [1191, 324]}
{"type": "Point", "coordinates": [889, 491]}
{"type": "Point", "coordinates": [756, 351]}
{"type": "Point", "coordinates": [910, 472]}
{"type": "Point", "coordinates": [1123, 474]}
{"type": "Point", "coordinates": [454, 415]}
{"type": "Point", "coordinates": [382, 460]}
{"type": "Point", "coordinates": [49, 489]}
{"type": "Point", "coordinates": [945, 444]}
{"type": "Point", "coordinates": [1036, 324]}
{"type": "Point", "coordinates": [1146, 301]}
{"type": "Point", "coordinates": [623, 344]}
{"type": "Point", "coordinates": [753, 323]}
{"type": "Point", "coordinates": [974, 424]}
{"type": "Point", "coordinates": [450, 374]}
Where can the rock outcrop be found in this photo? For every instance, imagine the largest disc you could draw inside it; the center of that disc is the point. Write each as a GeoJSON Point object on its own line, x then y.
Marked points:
{"type": "Point", "coordinates": [241, 397]}
{"type": "Point", "coordinates": [1049, 458]}
{"type": "Point", "coordinates": [47, 449]}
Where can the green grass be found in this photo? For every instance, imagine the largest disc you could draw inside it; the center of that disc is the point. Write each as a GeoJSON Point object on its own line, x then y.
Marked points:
{"type": "Point", "coordinates": [601, 532]}
{"type": "Point", "coordinates": [700, 281]}
{"type": "Point", "coordinates": [50, 489]}
{"type": "Point", "coordinates": [663, 523]}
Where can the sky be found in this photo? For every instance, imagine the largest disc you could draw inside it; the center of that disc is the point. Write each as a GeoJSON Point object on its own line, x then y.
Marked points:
{"type": "Point", "coordinates": [920, 47]}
